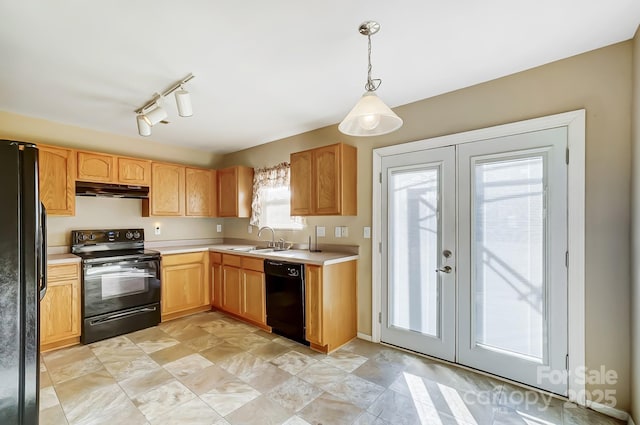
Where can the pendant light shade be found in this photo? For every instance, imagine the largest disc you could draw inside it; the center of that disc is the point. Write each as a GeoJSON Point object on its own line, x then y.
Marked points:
{"type": "Point", "coordinates": [183, 102]}
{"type": "Point", "coordinates": [144, 129]}
{"type": "Point", "coordinates": [370, 117]}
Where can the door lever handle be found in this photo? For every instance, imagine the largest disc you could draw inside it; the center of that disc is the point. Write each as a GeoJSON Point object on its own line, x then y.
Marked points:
{"type": "Point", "coordinates": [445, 269]}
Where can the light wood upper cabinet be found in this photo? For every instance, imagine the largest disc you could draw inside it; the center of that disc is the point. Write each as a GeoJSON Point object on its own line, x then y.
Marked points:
{"type": "Point", "coordinates": [167, 194]}
{"type": "Point", "coordinates": [185, 284]}
{"type": "Point", "coordinates": [57, 179]}
{"type": "Point", "coordinates": [96, 167]}
{"type": "Point", "coordinates": [324, 181]}
{"type": "Point", "coordinates": [301, 185]}
{"type": "Point", "coordinates": [235, 188]}
{"type": "Point", "coordinates": [200, 192]}
{"type": "Point", "coordinates": [60, 307]}
{"type": "Point", "coordinates": [330, 305]}
{"type": "Point", "coordinates": [135, 172]}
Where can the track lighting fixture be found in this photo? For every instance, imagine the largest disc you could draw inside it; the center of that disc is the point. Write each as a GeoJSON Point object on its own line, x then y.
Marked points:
{"type": "Point", "coordinates": [152, 112]}
{"type": "Point", "coordinates": [370, 116]}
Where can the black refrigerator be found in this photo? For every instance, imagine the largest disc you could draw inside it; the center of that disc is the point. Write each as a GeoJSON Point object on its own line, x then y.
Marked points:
{"type": "Point", "coordinates": [22, 282]}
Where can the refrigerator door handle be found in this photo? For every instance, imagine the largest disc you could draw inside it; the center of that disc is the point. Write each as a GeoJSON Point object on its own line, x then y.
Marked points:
{"type": "Point", "coordinates": [43, 251]}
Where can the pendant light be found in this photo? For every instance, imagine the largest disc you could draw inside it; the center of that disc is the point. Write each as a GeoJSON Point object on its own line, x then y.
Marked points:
{"type": "Point", "coordinates": [370, 116]}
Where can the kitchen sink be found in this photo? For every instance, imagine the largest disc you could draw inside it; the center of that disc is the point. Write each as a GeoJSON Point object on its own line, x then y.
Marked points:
{"type": "Point", "coordinates": [262, 250]}
{"type": "Point", "coordinates": [244, 248]}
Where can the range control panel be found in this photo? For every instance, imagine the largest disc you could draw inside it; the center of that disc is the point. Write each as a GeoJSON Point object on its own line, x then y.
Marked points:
{"type": "Point", "coordinates": [91, 237]}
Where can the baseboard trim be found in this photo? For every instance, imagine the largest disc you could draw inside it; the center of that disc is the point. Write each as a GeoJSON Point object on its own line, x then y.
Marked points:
{"type": "Point", "coordinates": [609, 411]}
{"type": "Point", "coordinates": [364, 336]}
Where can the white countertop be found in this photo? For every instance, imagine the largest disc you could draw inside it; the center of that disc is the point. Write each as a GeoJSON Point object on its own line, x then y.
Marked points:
{"type": "Point", "coordinates": [62, 259]}
{"type": "Point", "coordinates": [293, 255]}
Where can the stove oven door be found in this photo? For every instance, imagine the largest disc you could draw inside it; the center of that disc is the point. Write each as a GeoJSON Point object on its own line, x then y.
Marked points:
{"type": "Point", "coordinates": [113, 286]}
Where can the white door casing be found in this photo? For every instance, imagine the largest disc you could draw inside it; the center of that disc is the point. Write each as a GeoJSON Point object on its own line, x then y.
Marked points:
{"type": "Point", "coordinates": [574, 122]}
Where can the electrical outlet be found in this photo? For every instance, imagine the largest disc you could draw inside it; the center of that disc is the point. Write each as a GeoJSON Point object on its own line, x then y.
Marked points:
{"type": "Point", "coordinates": [345, 231]}
{"type": "Point", "coordinates": [320, 231]}
{"type": "Point", "coordinates": [249, 229]}
{"type": "Point", "coordinates": [338, 232]}
{"type": "Point", "coordinates": [156, 230]}
{"type": "Point", "coordinates": [367, 233]}
{"type": "Point", "coordinates": [219, 228]}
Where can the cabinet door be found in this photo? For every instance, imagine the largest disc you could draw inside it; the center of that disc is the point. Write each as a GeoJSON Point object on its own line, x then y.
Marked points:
{"type": "Point", "coordinates": [227, 192]}
{"type": "Point", "coordinates": [327, 177]}
{"type": "Point", "coordinates": [314, 305]}
{"type": "Point", "coordinates": [235, 189]}
{"type": "Point", "coordinates": [231, 289]}
{"type": "Point", "coordinates": [199, 192]}
{"type": "Point", "coordinates": [134, 171]}
{"type": "Point", "coordinates": [216, 280]}
{"type": "Point", "coordinates": [96, 167]}
{"type": "Point", "coordinates": [60, 308]}
{"type": "Point", "coordinates": [253, 296]}
{"type": "Point", "coordinates": [167, 190]}
{"type": "Point", "coordinates": [183, 287]}
{"type": "Point", "coordinates": [57, 180]}
{"type": "Point", "coordinates": [301, 183]}
{"type": "Point", "coordinates": [60, 312]}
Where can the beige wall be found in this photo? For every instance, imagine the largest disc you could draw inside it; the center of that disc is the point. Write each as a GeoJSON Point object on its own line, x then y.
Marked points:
{"type": "Point", "coordinates": [92, 213]}
{"type": "Point", "coordinates": [600, 82]}
{"type": "Point", "coordinates": [635, 252]}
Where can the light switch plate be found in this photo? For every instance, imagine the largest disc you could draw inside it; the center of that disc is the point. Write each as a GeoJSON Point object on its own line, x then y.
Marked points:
{"type": "Point", "coordinates": [219, 228]}
{"type": "Point", "coordinates": [249, 229]}
{"type": "Point", "coordinates": [367, 232]}
{"type": "Point", "coordinates": [338, 232]}
{"type": "Point", "coordinates": [345, 231]}
{"type": "Point", "coordinates": [320, 231]}
{"type": "Point", "coordinates": [156, 230]}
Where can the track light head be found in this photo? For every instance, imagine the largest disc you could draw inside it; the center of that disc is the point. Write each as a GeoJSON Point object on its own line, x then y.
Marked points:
{"type": "Point", "coordinates": [144, 129]}
{"type": "Point", "coordinates": [155, 115]}
{"type": "Point", "coordinates": [183, 102]}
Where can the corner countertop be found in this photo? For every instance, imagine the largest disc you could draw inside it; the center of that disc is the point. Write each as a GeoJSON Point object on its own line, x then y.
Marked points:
{"type": "Point", "coordinates": [62, 259]}
{"type": "Point", "coordinates": [293, 255]}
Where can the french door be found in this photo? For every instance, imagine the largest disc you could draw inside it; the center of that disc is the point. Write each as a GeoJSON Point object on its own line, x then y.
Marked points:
{"type": "Point", "coordinates": [474, 260]}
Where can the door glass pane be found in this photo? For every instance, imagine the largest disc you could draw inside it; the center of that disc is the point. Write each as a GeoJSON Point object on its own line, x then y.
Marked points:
{"type": "Point", "coordinates": [413, 250]}
{"type": "Point", "coordinates": [508, 245]}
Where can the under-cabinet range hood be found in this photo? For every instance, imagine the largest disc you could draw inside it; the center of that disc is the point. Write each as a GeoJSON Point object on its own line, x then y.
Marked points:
{"type": "Point", "coordinates": [109, 190]}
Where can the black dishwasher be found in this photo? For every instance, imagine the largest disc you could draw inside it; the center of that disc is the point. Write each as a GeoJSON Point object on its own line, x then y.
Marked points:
{"type": "Point", "coordinates": [285, 299]}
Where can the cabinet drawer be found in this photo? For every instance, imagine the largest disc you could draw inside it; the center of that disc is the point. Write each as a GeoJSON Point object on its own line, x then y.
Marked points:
{"type": "Point", "coordinates": [62, 272]}
{"type": "Point", "coordinates": [250, 263]}
{"type": "Point", "coordinates": [215, 257]}
{"type": "Point", "coordinates": [231, 260]}
{"type": "Point", "coordinates": [173, 259]}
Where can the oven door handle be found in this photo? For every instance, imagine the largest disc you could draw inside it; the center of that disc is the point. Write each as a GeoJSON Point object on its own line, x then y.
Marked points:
{"type": "Point", "coordinates": [122, 315]}
{"type": "Point", "coordinates": [89, 264]}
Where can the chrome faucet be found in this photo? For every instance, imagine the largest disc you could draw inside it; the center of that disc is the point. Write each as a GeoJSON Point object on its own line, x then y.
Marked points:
{"type": "Point", "coordinates": [273, 236]}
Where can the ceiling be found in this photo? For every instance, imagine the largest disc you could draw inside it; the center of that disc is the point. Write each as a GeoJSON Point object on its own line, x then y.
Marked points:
{"type": "Point", "coordinates": [268, 70]}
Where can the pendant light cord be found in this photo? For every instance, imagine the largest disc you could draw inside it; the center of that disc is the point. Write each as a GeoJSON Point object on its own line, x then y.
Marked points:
{"type": "Point", "coordinates": [372, 84]}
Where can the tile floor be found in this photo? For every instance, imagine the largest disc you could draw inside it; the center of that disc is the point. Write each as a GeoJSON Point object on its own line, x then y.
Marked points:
{"type": "Point", "coordinates": [211, 369]}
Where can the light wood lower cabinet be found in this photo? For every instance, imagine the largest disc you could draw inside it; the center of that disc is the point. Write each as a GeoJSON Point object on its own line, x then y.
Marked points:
{"type": "Point", "coordinates": [215, 259]}
{"type": "Point", "coordinates": [231, 289]}
{"type": "Point", "coordinates": [241, 288]}
{"type": "Point", "coordinates": [185, 284]}
{"type": "Point", "coordinates": [330, 305]}
{"type": "Point", "coordinates": [60, 307]}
